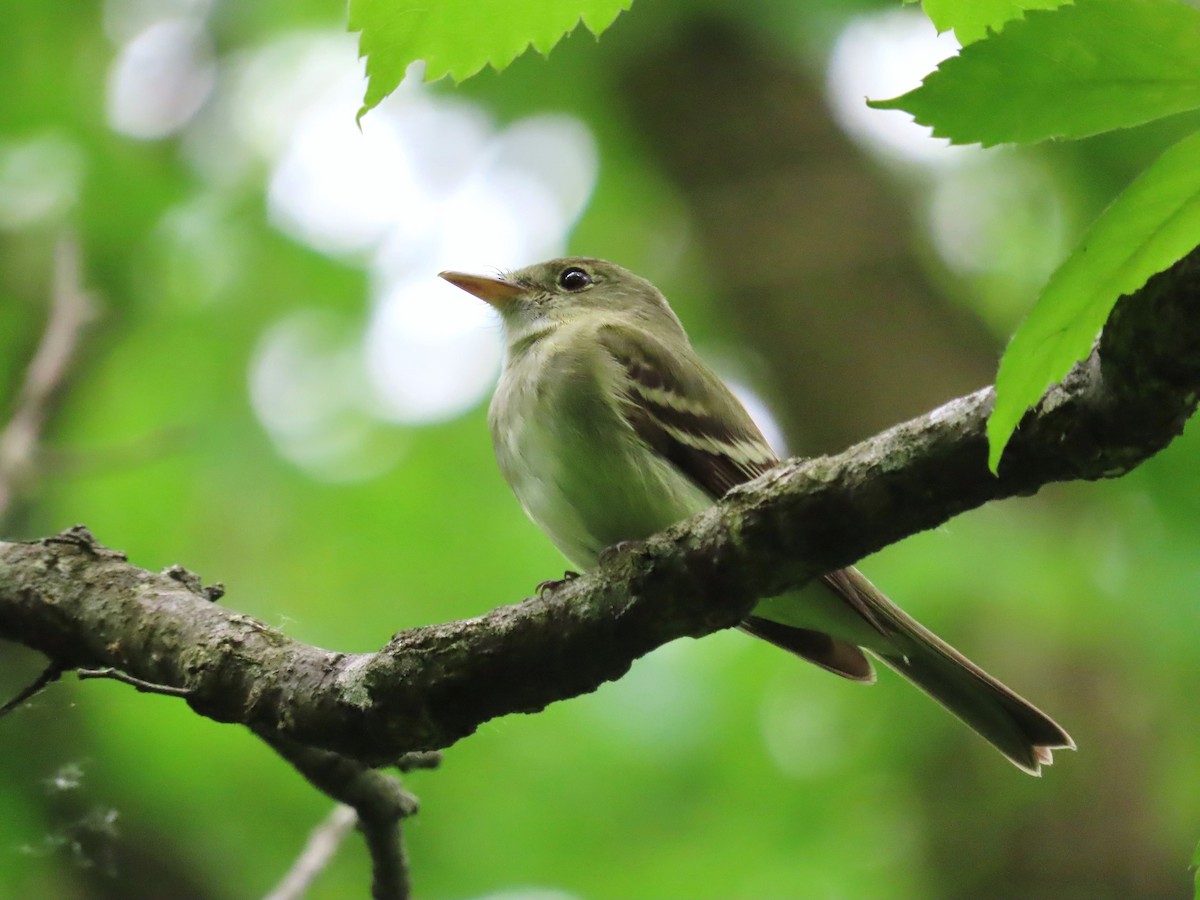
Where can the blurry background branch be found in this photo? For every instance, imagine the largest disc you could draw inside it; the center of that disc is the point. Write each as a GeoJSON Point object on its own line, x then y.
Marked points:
{"type": "Point", "coordinates": [322, 844]}
{"type": "Point", "coordinates": [797, 208]}
{"type": "Point", "coordinates": [83, 605]}
{"type": "Point", "coordinates": [70, 310]}
{"type": "Point", "coordinates": [380, 804]}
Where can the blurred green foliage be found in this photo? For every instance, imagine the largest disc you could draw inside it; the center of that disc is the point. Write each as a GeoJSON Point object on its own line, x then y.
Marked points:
{"type": "Point", "coordinates": [717, 768]}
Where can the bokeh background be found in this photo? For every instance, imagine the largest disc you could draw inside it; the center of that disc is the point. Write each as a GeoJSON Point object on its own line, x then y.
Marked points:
{"type": "Point", "coordinates": [279, 394]}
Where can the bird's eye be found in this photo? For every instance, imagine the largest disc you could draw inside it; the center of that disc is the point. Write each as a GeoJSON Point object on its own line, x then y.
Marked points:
{"type": "Point", "coordinates": [574, 279]}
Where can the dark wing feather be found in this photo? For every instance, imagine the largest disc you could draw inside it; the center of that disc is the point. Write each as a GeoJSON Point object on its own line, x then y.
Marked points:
{"type": "Point", "coordinates": [840, 657]}
{"type": "Point", "coordinates": [682, 410]}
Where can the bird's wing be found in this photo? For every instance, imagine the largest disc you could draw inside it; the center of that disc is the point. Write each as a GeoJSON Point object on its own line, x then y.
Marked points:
{"type": "Point", "coordinates": [683, 411]}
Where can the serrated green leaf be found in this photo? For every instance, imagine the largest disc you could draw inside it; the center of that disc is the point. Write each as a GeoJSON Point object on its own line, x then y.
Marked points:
{"type": "Point", "coordinates": [1068, 72]}
{"type": "Point", "coordinates": [1153, 223]}
{"type": "Point", "coordinates": [970, 20]}
{"type": "Point", "coordinates": [460, 37]}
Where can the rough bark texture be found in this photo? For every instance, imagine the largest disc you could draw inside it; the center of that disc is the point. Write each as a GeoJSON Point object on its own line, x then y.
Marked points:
{"type": "Point", "coordinates": [87, 607]}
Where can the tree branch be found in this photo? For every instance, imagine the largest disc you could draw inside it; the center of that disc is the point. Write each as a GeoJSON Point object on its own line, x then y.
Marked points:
{"type": "Point", "coordinates": [378, 799]}
{"type": "Point", "coordinates": [49, 675]}
{"type": "Point", "coordinates": [85, 606]}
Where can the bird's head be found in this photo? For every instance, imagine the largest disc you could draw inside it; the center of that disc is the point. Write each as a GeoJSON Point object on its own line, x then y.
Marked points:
{"type": "Point", "coordinates": [536, 300]}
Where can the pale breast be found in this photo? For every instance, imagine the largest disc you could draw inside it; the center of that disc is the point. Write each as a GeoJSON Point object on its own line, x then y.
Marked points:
{"type": "Point", "coordinates": [576, 466]}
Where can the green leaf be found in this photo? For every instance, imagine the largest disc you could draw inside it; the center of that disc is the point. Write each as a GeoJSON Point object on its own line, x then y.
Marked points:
{"type": "Point", "coordinates": [1068, 72]}
{"type": "Point", "coordinates": [972, 19]}
{"type": "Point", "coordinates": [459, 37]}
{"type": "Point", "coordinates": [1153, 223]}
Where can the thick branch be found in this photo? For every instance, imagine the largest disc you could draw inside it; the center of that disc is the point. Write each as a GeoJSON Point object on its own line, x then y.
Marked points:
{"type": "Point", "coordinates": [86, 607]}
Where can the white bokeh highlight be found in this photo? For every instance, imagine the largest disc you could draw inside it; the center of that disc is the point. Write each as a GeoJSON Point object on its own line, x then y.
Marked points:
{"type": "Point", "coordinates": [305, 381]}
{"type": "Point", "coordinates": [160, 78]}
{"type": "Point", "coordinates": [431, 352]}
{"type": "Point", "coordinates": [883, 55]}
{"type": "Point", "coordinates": [428, 183]}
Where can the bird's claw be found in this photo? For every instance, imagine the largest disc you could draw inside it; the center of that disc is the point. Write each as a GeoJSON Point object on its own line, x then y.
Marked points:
{"type": "Point", "coordinates": [554, 584]}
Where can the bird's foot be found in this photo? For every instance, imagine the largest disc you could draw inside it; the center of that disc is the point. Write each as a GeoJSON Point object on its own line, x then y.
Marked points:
{"type": "Point", "coordinates": [554, 584]}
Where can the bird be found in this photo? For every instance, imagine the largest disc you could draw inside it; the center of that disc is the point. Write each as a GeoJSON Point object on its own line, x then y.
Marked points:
{"type": "Point", "coordinates": [609, 427]}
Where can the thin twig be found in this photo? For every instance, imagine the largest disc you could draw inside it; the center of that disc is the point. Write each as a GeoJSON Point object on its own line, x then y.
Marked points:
{"type": "Point", "coordinates": [50, 675]}
{"type": "Point", "coordinates": [379, 799]}
{"type": "Point", "coordinates": [71, 309]}
{"type": "Point", "coordinates": [323, 843]}
{"type": "Point", "coordinates": [146, 687]}
{"type": "Point", "coordinates": [131, 453]}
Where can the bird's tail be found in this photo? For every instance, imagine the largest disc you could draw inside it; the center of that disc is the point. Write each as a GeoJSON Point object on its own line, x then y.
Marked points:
{"type": "Point", "coordinates": [1010, 723]}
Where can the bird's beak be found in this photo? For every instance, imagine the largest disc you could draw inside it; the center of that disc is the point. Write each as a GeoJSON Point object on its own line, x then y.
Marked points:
{"type": "Point", "coordinates": [491, 290]}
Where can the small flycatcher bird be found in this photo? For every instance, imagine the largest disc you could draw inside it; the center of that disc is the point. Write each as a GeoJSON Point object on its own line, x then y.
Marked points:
{"type": "Point", "coordinates": [609, 428]}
